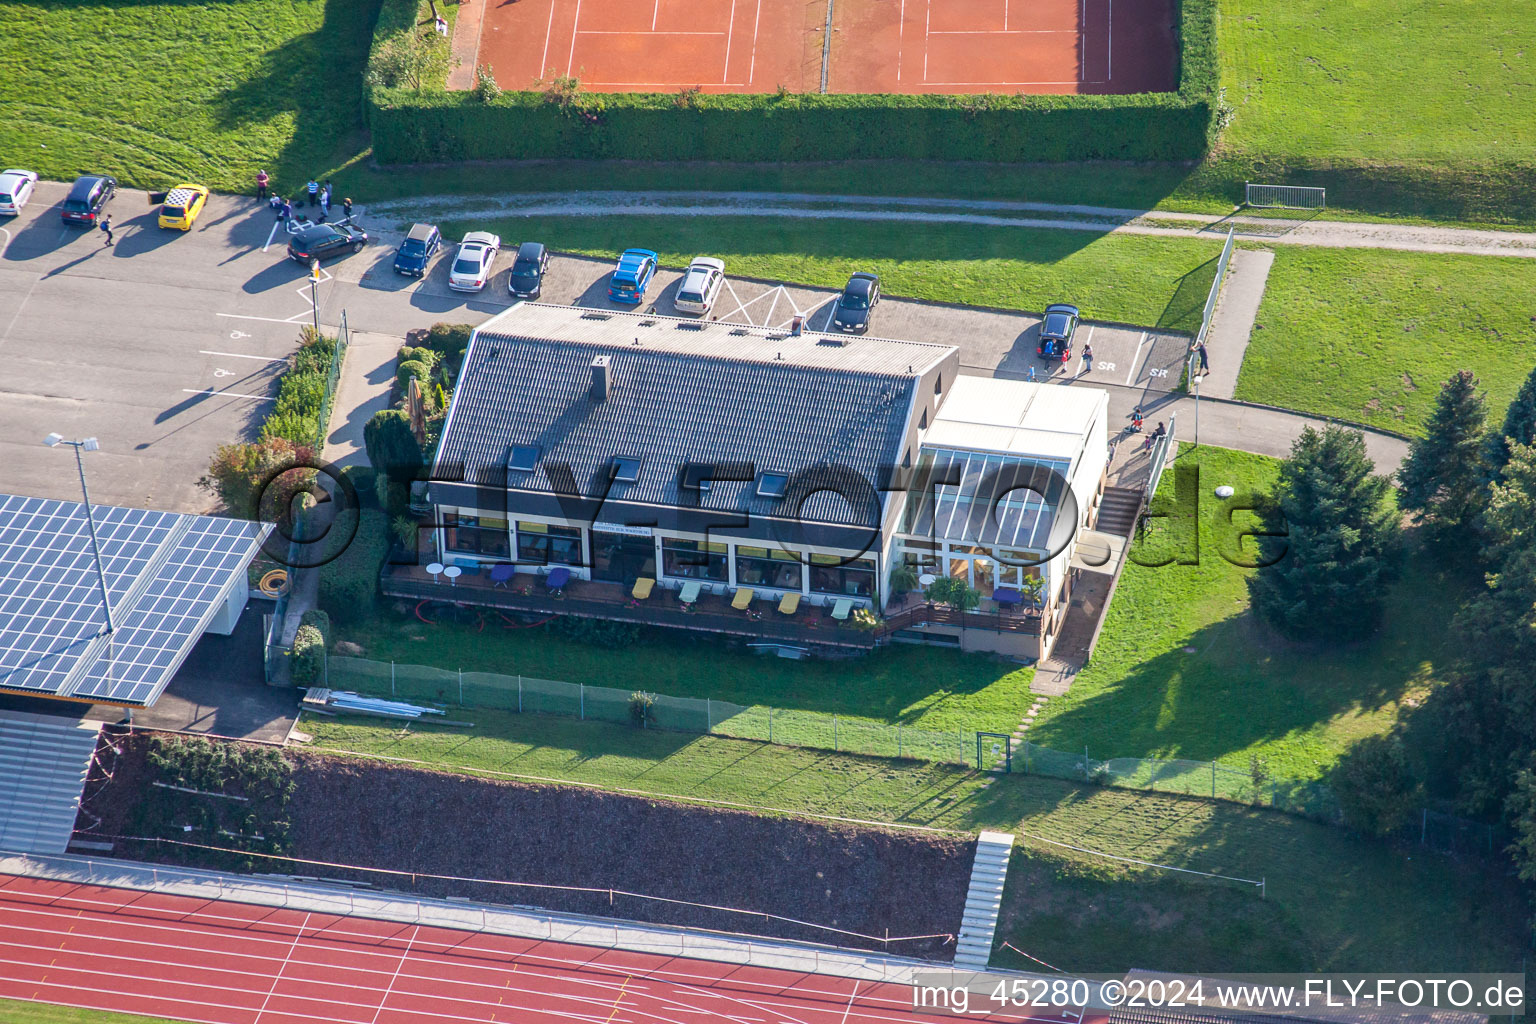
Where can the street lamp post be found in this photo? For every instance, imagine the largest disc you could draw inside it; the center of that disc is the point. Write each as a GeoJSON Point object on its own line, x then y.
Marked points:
{"type": "Point", "coordinates": [89, 444]}
{"type": "Point", "coordinates": [1189, 372]}
{"type": "Point", "coordinates": [314, 290]}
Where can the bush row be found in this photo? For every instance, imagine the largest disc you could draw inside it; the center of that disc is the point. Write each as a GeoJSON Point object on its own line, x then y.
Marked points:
{"type": "Point", "coordinates": [301, 394]}
{"type": "Point", "coordinates": [435, 125]}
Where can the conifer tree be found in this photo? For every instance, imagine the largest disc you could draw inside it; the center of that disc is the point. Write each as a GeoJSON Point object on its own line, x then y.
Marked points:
{"type": "Point", "coordinates": [1442, 481]}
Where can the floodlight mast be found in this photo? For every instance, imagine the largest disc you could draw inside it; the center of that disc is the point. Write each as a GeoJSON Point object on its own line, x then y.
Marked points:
{"type": "Point", "coordinates": [89, 444]}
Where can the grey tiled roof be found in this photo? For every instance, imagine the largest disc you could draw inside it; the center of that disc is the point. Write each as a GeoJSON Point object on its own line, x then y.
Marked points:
{"type": "Point", "coordinates": [701, 393]}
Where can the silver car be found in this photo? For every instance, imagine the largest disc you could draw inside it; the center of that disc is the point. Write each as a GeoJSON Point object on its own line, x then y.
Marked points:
{"type": "Point", "coordinates": [700, 286]}
{"type": "Point", "coordinates": [472, 266]}
{"type": "Point", "coordinates": [15, 189]}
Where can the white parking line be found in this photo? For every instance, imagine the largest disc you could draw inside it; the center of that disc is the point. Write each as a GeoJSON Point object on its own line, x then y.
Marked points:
{"type": "Point", "coordinates": [242, 355]}
{"type": "Point", "coordinates": [1131, 376]}
{"type": "Point", "coordinates": [226, 394]}
{"type": "Point", "coordinates": [272, 234]}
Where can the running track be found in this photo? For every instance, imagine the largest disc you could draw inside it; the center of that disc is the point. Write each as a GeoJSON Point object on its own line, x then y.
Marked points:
{"type": "Point", "coordinates": [222, 962]}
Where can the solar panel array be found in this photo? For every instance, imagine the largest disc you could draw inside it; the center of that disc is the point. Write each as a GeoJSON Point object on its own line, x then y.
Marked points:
{"type": "Point", "coordinates": [166, 574]}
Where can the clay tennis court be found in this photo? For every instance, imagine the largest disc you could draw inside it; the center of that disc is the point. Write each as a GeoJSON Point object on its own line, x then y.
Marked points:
{"type": "Point", "coordinates": [222, 962]}
{"type": "Point", "coordinates": [877, 46]}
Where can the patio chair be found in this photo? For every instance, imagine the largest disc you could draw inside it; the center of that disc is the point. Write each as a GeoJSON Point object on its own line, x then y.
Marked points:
{"type": "Point", "coordinates": [789, 604]}
{"type": "Point", "coordinates": [840, 609]}
{"type": "Point", "coordinates": [557, 579]}
{"type": "Point", "coordinates": [742, 599]}
{"type": "Point", "coordinates": [690, 592]}
{"type": "Point", "coordinates": [502, 574]}
{"type": "Point", "coordinates": [643, 587]}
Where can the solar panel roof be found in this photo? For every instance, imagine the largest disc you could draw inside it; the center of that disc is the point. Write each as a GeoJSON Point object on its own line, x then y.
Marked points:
{"type": "Point", "coordinates": [166, 576]}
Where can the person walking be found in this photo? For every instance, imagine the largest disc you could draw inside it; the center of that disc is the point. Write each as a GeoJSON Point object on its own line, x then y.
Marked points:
{"type": "Point", "coordinates": [106, 229]}
{"type": "Point", "coordinates": [313, 190]}
{"type": "Point", "coordinates": [1205, 361]}
{"type": "Point", "coordinates": [287, 213]}
{"type": "Point", "coordinates": [326, 193]}
{"type": "Point", "coordinates": [1087, 359]}
{"type": "Point", "coordinates": [325, 204]}
{"type": "Point", "coordinates": [346, 208]}
{"type": "Point", "coordinates": [261, 186]}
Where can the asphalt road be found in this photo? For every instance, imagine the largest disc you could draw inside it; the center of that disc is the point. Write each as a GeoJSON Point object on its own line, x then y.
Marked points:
{"type": "Point", "coordinates": [166, 345]}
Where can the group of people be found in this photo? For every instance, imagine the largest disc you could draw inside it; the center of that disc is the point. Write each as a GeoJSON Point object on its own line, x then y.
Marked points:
{"type": "Point", "coordinates": [314, 193]}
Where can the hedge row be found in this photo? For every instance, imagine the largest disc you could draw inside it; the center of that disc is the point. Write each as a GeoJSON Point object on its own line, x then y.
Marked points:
{"type": "Point", "coordinates": [301, 393]}
{"type": "Point", "coordinates": [438, 126]}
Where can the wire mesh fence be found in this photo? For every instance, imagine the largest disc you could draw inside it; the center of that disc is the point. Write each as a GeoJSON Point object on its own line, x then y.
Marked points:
{"type": "Point", "coordinates": [1288, 197]}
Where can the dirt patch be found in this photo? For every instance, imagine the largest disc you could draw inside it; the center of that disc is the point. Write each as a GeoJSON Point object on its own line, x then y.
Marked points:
{"type": "Point", "coordinates": [866, 880]}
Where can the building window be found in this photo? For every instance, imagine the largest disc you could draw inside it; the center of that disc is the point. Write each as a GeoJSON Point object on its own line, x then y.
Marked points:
{"type": "Point", "coordinates": [772, 485]}
{"type": "Point", "coordinates": [525, 458]}
{"type": "Point", "coordinates": [475, 535]}
{"type": "Point", "coordinates": [626, 470]}
{"type": "Point", "coordinates": [831, 575]}
{"type": "Point", "coordinates": [693, 560]}
{"type": "Point", "coordinates": [764, 567]}
{"type": "Point", "coordinates": [923, 423]}
{"type": "Point", "coordinates": [938, 385]}
{"type": "Point", "coordinates": [543, 543]}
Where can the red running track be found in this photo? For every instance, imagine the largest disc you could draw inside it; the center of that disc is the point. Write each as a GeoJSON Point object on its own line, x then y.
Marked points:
{"type": "Point", "coordinates": [222, 962]}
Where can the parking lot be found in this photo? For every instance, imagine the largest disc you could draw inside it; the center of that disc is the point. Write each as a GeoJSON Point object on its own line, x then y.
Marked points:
{"type": "Point", "coordinates": [166, 345]}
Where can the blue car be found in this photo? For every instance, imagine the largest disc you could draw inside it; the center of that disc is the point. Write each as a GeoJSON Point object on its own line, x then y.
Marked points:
{"type": "Point", "coordinates": [632, 276]}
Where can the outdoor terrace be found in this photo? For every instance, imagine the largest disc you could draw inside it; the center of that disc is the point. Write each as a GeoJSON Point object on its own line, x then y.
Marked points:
{"type": "Point", "coordinates": [810, 626]}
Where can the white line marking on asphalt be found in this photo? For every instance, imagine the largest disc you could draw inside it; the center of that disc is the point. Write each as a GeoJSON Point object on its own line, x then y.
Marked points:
{"type": "Point", "coordinates": [226, 394]}
{"type": "Point", "coordinates": [1129, 377]}
{"type": "Point", "coordinates": [272, 234]}
{"type": "Point", "coordinates": [242, 355]}
{"type": "Point", "coordinates": [268, 319]}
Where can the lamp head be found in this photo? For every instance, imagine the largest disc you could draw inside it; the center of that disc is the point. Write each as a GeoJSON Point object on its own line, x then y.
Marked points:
{"type": "Point", "coordinates": [52, 440]}
{"type": "Point", "coordinates": [90, 444]}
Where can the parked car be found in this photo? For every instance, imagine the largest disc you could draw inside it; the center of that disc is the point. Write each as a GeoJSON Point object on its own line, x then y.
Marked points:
{"type": "Point", "coordinates": [853, 308]}
{"type": "Point", "coordinates": [472, 266]}
{"type": "Point", "coordinates": [632, 276]}
{"type": "Point", "coordinates": [527, 277]}
{"type": "Point", "coordinates": [182, 205]}
{"type": "Point", "coordinates": [87, 197]}
{"type": "Point", "coordinates": [700, 286]}
{"type": "Point", "coordinates": [1056, 332]}
{"type": "Point", "coordinates": [15, 189]}
{"type": "Point", "coordinates": [421, 243]}
{"type": "Point", "coordinates": [322, 241]}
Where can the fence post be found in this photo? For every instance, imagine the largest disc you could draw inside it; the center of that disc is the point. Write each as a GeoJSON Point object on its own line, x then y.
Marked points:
{"type": "Point", "coordinates": [1424, 827]}
{"type": "Point", "coordinates": [961, 734]}
{"type": "Point", "coordinates": [581, 697]}
{"type": "Point", "coordinates": [834, 732]}
{"type": "Point", "coordinates": [1213, 780]}
{"type": "Point", "coordinates": [519, 694]}
{"type": "Point", "coordinates": [391, 677]}
{"type": "Point", "coordinates": [325, 666]}
{"type": "Point", "coordinates": [461, 687]}
{"type": "Point", "coordinates": [898, 739]}
{"type": "Point", "coordinates": [709, 715]}
{"type": "Point", "coordinates": [1086, 773]}
{"type": "Point", "coordinates": [770, 723]}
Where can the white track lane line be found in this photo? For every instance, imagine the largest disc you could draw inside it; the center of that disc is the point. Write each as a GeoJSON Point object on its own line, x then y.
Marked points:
{"type": "Point", "coordinates": [403, 956]}
{"type": "Point", "coordinates": [278, 977]}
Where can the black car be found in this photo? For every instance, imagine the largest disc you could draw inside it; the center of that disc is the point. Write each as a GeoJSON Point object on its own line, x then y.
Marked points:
{"type": "Point", "coordinates": [86, 198]}
{"type": "Point", "coordinates": [853, 307]}
{"type": "Point", "coordinates": [527, 275]}
{"type": "Point", "coordinates": [420, 245]}
{"type": "Point", "coordinates": [326, 240]}
{"type": "Point", "coordinates": [1056, 332]}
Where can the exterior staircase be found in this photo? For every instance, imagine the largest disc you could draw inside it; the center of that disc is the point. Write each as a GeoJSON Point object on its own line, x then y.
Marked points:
{"type": "Point", "coordinates": [44, 760]}
{"type": "Point", "coordinates": [1117, 510]}
{"type": "Point", "coordinates": [983, 901]}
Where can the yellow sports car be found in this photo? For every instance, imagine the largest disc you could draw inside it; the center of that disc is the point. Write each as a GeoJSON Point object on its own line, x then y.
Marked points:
{"type": "Point", "coordinates": [182, 205]}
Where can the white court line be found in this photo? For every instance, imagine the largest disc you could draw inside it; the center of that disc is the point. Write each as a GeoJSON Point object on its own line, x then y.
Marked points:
{"type": "Point", "coordinates": [570, 61]}
{"type": "Point", "coordinates": [1136, 358]}
{"type": "Point", "coordinates": [1073, 81]}
{"type": "Point", "coordinates": [730, 31]}
{"type": "Point", "coordinates": [242, 355]}
{"type": "Point", "coordinates": [927, 22]}
{"type": "Point", "coordinates": [548, 31]}
{"type": "Point", "coordinates": [278, 978]}
{"type": "Point", "coordinates": [1005, 15]}
{"type": "Point", "coordinates": [652, 32]}
{"type": "Point", "coordinates": [1110, 45]}
{"type": "Point", "coordinates": [901, 32]}
{"type": "Point", "coordinates": [1082, 42]}
{"type": "Point", "coordinates": [655, 13]}
{"type": "Point", "coordinates": [226, 394]}
{"type": "Point", "coordinates": [1004, 32]}
{"type": "Point", "coordinates": [756, 21]}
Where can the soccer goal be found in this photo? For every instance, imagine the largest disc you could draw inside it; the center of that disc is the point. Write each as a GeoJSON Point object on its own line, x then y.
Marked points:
{"type": "Point", "coordinates": [1284, 197]}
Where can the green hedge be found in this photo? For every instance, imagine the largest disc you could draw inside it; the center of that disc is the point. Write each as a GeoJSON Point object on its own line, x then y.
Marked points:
{"type": "Point", "coordinates": [436, 126]}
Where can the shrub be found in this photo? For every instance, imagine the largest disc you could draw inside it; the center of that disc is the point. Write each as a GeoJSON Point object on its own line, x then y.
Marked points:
{"type": "Point", "coordinates": [1376, 791]}
{"type": "Point", "coordinates": [260, 481]}
{"type": "Point", "coordinates": [642, 708]}
{"type": "Point", "coordinates": [349, 583]}
{"type": "Point", "coordinates": [486, 89]}
{"type": "Point", "coordinates": [392, 447]}
{"type": "Point", "coordinates": [903, 578]}
{"type": "Point", "coordinates": [320, 620]}
{"type": "Point", "coordinates": [449, 340]}
{"type": "Point", "coordinates": [412, 368]}
{"type": "Point", "coordinates": [411, 60]}
{"type": "Point", "coordinates": [597, 632]}
{"type": "Point", "coordinates": [956, 593]}
{"type": "Point", "coordinates": [307, 661]}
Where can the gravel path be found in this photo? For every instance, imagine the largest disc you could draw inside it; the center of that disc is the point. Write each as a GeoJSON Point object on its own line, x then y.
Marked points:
{"type": "Point", "coordinates": [987, 213]}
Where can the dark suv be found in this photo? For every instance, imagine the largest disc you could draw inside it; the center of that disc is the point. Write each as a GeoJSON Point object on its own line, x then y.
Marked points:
{"type": "Point", "coordinates": [527, 276]}
{"type": "Point", "coordinates": [326, 240]}
{"type": "Point", "coordinates": [86, 198]}
{"type": "Point", "coordinates": [418, 249]}
{"type": "Point", "coordinates": [852, 310]}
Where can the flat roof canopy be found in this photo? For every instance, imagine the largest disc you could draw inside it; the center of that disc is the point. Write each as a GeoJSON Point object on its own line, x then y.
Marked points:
{"type": "Point", "coordinates": [166, 575]}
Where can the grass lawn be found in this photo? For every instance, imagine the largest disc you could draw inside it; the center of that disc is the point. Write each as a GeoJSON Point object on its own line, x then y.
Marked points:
{"type": "Point", "coordinates": [1371, 336]}
{"type": "Point", "coordinates": [1333, 902]}
{"type": "Point", "coordinates": [1133, 279]}
{"type": "Point", "coordinates": [15, 1011]}
{"type": "Point", "coordinates": [1184, 671]}
{"type": "Point", "coordinates": [158, 92]}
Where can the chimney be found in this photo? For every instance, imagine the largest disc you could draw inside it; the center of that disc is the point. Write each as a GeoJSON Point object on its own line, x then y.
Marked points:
{"type": "Point", "coordinates": [602, 379]}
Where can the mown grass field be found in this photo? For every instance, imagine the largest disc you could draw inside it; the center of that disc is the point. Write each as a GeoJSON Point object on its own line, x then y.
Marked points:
{"type": "Point", "coordinates": [16, 1011]}
{"type": "Point", "coordinates": [1333, 901]}
{"type": "Point", "coordinates": [1371, 336]}
{"type": "Point", "coordinates": [1183, 670]}
{"type": "Point", "coordinates": [160, 92]}
{"type": "Point", "coordinates": [1129, 278]}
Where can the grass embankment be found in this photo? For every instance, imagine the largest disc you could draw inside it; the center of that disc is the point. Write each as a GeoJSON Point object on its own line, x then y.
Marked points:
{"type": "Point", "coordinates": [1333, 902]}
{"type": "Point", "coordinates": [160, 92]}
{"type": "Point", "coordinates": [1184, 671]}
{"type": "Point", "coordinates": [1129, 278]}
{"type": "Point", "coordinates": [1371, 336]}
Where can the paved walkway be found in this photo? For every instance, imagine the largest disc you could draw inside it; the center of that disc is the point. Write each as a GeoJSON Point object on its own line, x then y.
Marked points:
{"type": "Point", "coordinates": [1232, 324]}
{"type": "Point", "coordinates": [367, 375]}
{"type": "Point", "coordinates": [989, 213]}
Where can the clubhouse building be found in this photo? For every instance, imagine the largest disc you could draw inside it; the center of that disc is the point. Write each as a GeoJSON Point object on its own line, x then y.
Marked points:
{"type": "Point", "coordinates": [799, 490]}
